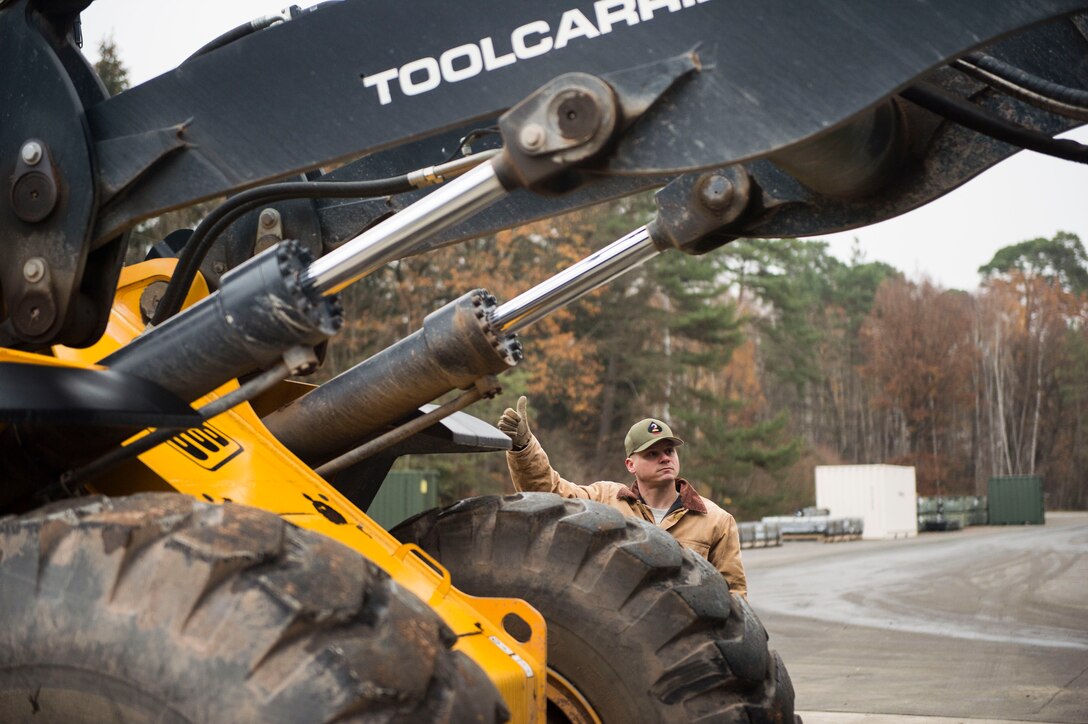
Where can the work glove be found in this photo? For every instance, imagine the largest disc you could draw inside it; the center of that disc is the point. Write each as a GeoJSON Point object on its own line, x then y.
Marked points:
{"type": "Point", "coordinates": [515, 424]}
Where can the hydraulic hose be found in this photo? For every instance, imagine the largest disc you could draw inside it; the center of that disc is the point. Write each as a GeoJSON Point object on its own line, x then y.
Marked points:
{"type": "Point", "coordinates": [205, 234]}
{"type": "Point", "coordinates": [1045, 94]}
{"type": "Point", "coordinates": [971, 116]}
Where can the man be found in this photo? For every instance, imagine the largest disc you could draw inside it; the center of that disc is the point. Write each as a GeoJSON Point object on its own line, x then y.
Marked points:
{"type": "Point", "coordinates": [658, 495]}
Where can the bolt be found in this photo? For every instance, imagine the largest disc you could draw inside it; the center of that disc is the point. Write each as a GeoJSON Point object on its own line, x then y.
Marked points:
{"type": "Point", "coordinates": [531, 137]}
{"type": "Point", "coordinates": [716, 192]}
{"type": "Point", "coordinates": [219, 268]}
{"type": "Point", "coordinates": [31, 153]}
{"type": "Point", "coordinates": [269, 217]}
{"type": "Point", "coordinates": [34, 269]}
{"type": "Point", "coordinates": [150, 298]}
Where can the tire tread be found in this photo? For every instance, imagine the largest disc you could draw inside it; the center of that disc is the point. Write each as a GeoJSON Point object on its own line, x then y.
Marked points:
{"type": "Point", "coordinates": [255, 618]}
{"type": "Point", "coordinates": [708, 661]}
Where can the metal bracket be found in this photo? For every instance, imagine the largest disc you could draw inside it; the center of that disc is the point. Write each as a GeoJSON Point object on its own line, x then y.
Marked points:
{"type": "Point", "coordinates": [300, 360]}
{"type": "Point", "coordinates": [568, 120]}
{"type": "Point", "coordinates": [575, 117]}
{"type": "Point", "coordinates": [269, 229]}
{"type": "Point", "coordinates": [695, 211]}
{"type": "Point", "coordinates": [639, 88]}
{"type": "Point", "coordinates": [34, 183]}
{"type": "Point", "coordinates": [123, 161]}
{"type": "Point", "coordinates": [49, 194]}
{"type": "Point", "coordinates": [488, 386]}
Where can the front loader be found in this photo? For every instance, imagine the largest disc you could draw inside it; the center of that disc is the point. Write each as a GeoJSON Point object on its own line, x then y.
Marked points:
{"type": "Point", "coordinates": [185, 534]}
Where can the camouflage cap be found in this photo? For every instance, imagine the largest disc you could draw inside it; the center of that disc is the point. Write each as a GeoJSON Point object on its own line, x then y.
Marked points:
{"type": "Point", "coordinates": [645, 433]}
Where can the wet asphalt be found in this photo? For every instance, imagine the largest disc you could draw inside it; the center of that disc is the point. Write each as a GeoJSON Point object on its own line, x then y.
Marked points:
{"type": "Point", "coordinates": [988, 624]}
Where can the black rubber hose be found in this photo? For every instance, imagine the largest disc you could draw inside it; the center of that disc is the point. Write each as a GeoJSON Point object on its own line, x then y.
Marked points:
{"type": "Point", "coordinates": [971, 116]}
{"type": "Point", "coordinates": [205, 234]}
{"type": "Point", "coordinates": [1033, 83]}
{"type": "Point", "coordinates": [235, 34]}
{"type": "Point", "coordinates": [253, 26]}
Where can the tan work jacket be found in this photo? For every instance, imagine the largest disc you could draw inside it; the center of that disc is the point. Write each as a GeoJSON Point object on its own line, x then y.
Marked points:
{"type": "Point", "coordinates": [695, 522]}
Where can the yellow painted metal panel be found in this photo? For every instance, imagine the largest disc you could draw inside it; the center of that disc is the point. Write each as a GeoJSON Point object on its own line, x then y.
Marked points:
{"type": "Point", "coordinates": [233, 459]}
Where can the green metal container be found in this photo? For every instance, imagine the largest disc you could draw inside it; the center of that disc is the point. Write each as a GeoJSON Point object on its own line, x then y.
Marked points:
{"type": "Point", "coordinates": [1016, 500]}
{"type": "Point", "coordinates": [403, 494]}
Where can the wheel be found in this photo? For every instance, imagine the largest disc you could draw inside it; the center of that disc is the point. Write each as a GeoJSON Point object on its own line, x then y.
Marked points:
{"type": "Point", "coordinates": [639, 629]}
{"type": "Point", "coordinates": [158, 607]}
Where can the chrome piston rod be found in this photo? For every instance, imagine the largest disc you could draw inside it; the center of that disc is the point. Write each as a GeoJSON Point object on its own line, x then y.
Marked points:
{"type": "Point", "coordinates": [447, 205]}
{"type": "Point", "coordinates": [576, 281]}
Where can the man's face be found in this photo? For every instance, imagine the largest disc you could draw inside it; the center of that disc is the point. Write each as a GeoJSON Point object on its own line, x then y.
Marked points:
{"type": "Point", "coordinates": [657, 465]}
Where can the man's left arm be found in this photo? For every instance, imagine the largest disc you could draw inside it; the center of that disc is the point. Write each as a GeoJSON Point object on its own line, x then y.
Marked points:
{"type": "Point", "coordinates": [724, 554]}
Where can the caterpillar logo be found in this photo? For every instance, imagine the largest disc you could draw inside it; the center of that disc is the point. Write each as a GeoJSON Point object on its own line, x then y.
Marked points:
{"type": "Point", "coordinates": [206, 446]}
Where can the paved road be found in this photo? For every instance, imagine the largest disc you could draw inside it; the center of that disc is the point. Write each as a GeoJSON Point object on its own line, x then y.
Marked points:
{"type": "Point", "coordinates": [984, 624]}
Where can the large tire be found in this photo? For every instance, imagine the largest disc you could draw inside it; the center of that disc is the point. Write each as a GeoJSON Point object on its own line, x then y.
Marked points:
{"type": "Point", "coordinates": [161, 608]}
{"type": "Point", "coordinates": [643, 629]}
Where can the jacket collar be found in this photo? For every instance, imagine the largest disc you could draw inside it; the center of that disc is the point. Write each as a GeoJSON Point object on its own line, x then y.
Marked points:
{"type": "Point", "coordinates": [689, 498]}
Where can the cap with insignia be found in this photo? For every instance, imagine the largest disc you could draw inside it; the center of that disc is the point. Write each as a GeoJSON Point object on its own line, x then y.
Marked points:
{"type": "Point", "coordinates": [645, 433]}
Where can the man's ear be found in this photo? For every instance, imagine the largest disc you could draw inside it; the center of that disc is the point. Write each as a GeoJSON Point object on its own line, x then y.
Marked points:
{"type": "Point", "coordinates": [630, 465]}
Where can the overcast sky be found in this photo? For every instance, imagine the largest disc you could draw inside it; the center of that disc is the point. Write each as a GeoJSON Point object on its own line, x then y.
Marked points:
{"type": "Point", "coordinates": [1027, 196]}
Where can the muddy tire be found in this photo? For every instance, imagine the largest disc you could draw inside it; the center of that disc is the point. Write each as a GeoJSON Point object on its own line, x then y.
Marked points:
{"type": "Point", "coordinates": [638, 627]}
{"type": "Point", "coordinates": [161, 608]}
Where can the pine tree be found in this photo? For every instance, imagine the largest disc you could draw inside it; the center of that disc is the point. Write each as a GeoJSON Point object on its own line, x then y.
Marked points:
{"type": "Point", "coordinates": [109, 67]}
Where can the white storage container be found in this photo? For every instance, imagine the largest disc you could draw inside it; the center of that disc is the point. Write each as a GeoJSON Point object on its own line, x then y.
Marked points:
{"type": "Point", "coordinates": [883, 496]}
